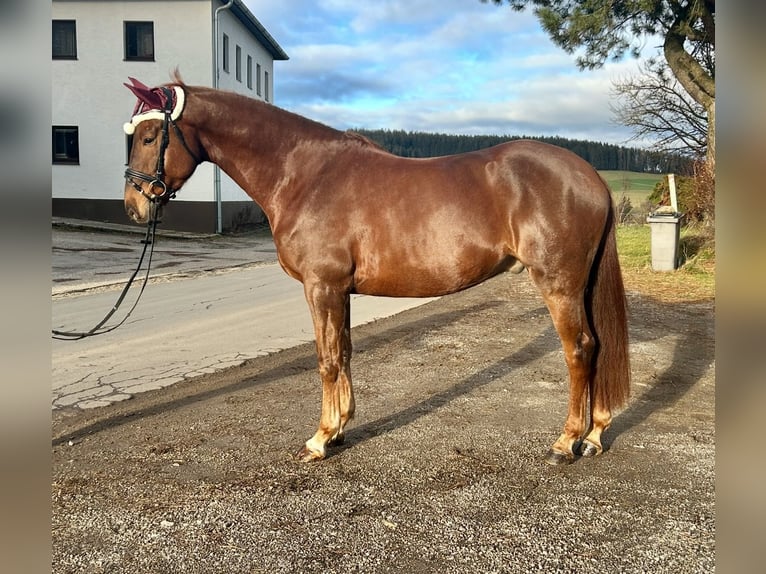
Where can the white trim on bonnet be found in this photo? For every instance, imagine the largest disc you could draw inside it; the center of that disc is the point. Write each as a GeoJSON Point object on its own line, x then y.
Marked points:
{"type": "Point", "coordinates": [130, 127]}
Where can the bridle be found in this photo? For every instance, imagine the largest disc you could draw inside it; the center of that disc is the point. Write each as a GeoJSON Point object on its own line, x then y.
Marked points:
{"type": "Point", "coordinates": [158, 179]}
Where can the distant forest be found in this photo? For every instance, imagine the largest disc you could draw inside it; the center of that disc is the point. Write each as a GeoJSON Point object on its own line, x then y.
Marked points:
{"type": "Point", "coordinates": [599, 155]}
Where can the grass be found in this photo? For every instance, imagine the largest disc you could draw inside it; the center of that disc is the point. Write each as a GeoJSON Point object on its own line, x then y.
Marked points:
{"type": "Point", "coordinates": [631, 181]}
{"type": "Point", "coordinates": [694, 280]}
{"type": "Point", "coordinates": [636, 186]}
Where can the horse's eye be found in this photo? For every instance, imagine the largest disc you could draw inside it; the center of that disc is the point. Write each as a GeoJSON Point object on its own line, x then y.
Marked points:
{"type": "Point", "coordinates": [148, 140]}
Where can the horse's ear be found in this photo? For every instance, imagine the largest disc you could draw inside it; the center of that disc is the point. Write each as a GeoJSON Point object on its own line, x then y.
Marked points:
{"type": "Point", "coordinates": [152, 99]}
{"type": "Point", "coordinates": [137, 83]}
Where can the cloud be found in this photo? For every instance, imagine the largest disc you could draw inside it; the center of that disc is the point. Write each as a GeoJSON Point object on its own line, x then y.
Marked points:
{"type": "Point", "coordinates": [456, 66]}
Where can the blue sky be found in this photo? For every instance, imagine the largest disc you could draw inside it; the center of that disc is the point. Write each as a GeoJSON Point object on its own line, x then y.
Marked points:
{"type": "Point", "coordinates": [452, 66]}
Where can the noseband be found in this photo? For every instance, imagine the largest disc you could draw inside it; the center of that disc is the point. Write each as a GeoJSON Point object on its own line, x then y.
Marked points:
{"type": "Point", "coordinates": [158, 179]}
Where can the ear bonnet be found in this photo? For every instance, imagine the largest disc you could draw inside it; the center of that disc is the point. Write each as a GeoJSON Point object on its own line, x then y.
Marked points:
{"type": "Point", "coordinates": [152, 103]}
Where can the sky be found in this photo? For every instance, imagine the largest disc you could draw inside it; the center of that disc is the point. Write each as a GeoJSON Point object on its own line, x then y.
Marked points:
{"type": "Point", "coordinates": [447, 66]}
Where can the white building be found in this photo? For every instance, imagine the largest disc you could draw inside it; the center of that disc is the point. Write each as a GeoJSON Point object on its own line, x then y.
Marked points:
{"type": "Point", "coordinates": [97, 44]}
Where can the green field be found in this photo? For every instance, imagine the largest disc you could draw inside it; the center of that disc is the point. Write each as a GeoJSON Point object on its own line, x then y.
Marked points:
{"type": "Point", "coordinates": [637, 186]}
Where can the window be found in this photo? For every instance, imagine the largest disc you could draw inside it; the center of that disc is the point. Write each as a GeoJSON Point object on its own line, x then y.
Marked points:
{"type": "Point", "coordinates": [139, 41]}
{"type": "Point", "coordinates": [66, 145]}
{"type": "Point", "coordinates": [64, 40]}
{"type": "Point", "coordinates": [258, 79]}
{"type": "Point", "coordinates": [239, 63]}
{"type": "Point", "coordinates": [225, 53]}
{"type": "Point", "coordinates": [250, 72]}
{"type": "Point", "coordinates": [266, 86]}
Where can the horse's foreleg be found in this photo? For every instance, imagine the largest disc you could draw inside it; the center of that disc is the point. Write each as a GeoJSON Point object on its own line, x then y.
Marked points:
{"type": "Point", "coordinates": [329, 308]}
{"type": "Point", "coordinates": [344, 387]}
{"type": "Point", "coordinates": [569, 318]}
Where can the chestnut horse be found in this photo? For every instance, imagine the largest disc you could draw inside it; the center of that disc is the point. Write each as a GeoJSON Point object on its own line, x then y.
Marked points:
{"type": "Point", "coordinates": [348, 217]}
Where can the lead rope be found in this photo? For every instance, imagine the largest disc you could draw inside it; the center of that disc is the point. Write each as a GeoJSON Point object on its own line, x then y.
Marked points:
{"type": "Point", "coordinates": [99, 329]}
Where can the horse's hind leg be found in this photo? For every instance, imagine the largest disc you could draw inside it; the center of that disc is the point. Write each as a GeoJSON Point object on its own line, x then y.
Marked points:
{"type": "Point", "coordinates": [330, 308]}
{"type": "Point", "coordinates": [569, 318]}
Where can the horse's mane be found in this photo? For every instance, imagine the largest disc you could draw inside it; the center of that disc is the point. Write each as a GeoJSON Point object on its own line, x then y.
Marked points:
{"type": "Point", "coordinates": [365, 141]}
{"type": "Point", "coordinates": [176, 80]}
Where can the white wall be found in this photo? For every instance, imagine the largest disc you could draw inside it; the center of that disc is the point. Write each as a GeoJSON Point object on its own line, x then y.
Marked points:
{"type": "Point", "coordinates": [240, 36]}
{"type": "Point", "coordinates": [88, 92]}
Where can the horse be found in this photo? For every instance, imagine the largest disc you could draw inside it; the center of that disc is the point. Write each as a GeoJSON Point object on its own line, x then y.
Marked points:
{"type": "Point", "coordinates": [348, 217]}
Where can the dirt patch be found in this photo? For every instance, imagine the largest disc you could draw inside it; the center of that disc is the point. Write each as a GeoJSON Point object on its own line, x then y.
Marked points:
{"type": "Point", "coordinates": [442, 471]}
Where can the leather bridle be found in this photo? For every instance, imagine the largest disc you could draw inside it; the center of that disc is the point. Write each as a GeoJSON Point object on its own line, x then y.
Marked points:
{"type": "Point", "coordinates": [158, 179]}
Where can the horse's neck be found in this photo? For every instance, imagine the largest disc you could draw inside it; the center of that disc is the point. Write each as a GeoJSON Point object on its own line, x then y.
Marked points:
{"type": "Point", "coordinates": [250, 141]}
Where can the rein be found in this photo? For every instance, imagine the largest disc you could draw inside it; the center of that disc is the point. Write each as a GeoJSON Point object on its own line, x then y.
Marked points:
{"type": "Point", "coordinates": [99, 329]}
{"type": "Point", "coordinates": [156, 200]}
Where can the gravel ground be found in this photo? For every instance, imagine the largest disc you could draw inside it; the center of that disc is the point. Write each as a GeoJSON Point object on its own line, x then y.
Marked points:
{"type": "Point", "coordinates": [442, 470]}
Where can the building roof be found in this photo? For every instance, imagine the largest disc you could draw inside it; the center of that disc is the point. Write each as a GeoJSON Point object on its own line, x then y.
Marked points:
{"type": "Point", "coordinates": [250, 22]}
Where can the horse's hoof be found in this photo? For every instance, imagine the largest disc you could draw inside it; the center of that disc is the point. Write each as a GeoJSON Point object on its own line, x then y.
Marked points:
{"type": "Point", "coordinates": [305, 454]}
{"type": "Point", "coordinates": [589, 449]}
{"type": "Point", "coordinates": [558, 458]}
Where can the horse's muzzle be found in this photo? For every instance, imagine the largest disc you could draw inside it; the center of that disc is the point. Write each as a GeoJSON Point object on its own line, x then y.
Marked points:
{"type": "Point", "coordinates": [137, 208]}
{"type": "Point", "coordinates": [136, 216]}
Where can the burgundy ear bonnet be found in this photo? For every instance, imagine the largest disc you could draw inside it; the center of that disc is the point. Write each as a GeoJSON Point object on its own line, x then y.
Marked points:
{"type": "Point", "coordinates": [151, 104]}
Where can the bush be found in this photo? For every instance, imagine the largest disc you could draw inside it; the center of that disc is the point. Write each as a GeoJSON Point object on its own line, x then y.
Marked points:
{"type": "Point", "coordinates": [696, 194]}
{"type": "Point", "coordinates": [624, 209]}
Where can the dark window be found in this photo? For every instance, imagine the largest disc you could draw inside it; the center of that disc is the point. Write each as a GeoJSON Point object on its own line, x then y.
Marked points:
{"type": "Point", "coordinates": [64, 40]}
{"type": "Point", "coordinates": [239, 63]}
{"type": "Point", "coordinates": [250, 72]}
{"type": "Point", "coordinates": [258, 79]}
{"type": "Point", "coordinates": [225, 53]}
{"type": "Point", "coordinates": [66, 145]}
{"type": "Point", "coordinates": [266, 86]}
{"type": "Point", "coordinates": [139, 41]}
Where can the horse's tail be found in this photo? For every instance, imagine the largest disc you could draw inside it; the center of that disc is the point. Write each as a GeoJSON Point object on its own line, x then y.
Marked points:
{"type": "Point", "coordinates": [610, 383]}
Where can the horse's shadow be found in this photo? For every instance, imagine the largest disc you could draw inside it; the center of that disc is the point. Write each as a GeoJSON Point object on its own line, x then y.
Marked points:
{"type": "Point", "coordinates": [305, 360]}
{"type": "Point", "coordinates": [540, 345]}
{"type": "Point", "coordinates": [692, 357]}
{"type": "Point", "coordinates": [688, 365]}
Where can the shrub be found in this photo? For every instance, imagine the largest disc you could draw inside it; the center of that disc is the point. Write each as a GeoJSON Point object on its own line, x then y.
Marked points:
{"type": "Point", "coordinates": [624, 208]}
{"type": "Point", "coordinates": [695, 194]}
